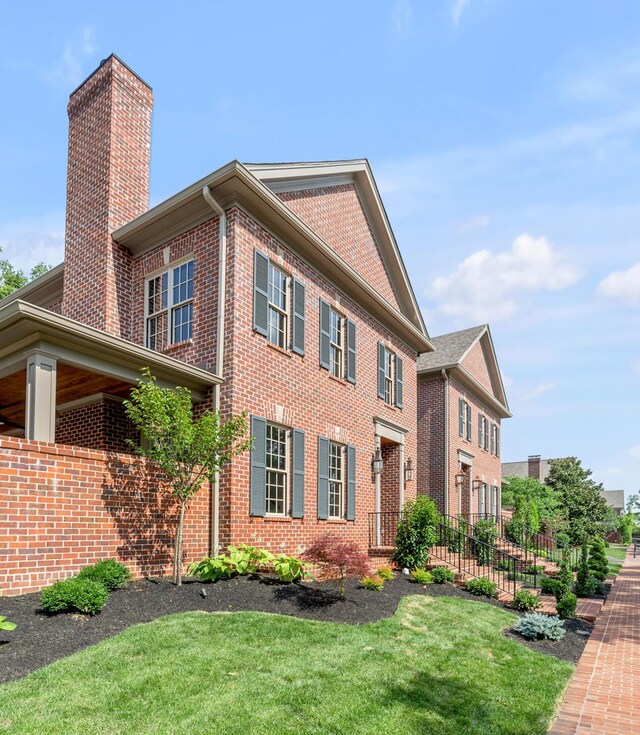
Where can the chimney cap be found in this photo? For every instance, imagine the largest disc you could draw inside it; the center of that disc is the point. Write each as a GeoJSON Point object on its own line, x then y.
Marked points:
{"type": "Point", "coordinates": [102, 63]}
{"type": "Point", "coordinates": [535, 456]}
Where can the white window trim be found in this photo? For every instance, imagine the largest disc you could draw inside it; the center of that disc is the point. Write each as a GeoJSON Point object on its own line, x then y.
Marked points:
{"type": "Point", "coordinates": [333, 345]}
{"type": "Point", "coordinates": [284, 312]}
{"type": "Point", "coordinates": [390, 360]}
{"type": "Point", "coordinates": [341, 504]}
{"type": "Point", "coordinates": [168, 269]}
{"type": "Point", "coordinates": [286, 472]}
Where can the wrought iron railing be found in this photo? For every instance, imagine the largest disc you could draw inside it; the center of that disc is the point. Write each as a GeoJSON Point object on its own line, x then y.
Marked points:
{"type": "Point", "coordinates": [476, 558]}
{"type": "Point", "coordinates": [383, 528]}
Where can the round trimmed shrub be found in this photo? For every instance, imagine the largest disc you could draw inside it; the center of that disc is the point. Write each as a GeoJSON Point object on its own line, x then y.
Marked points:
{"type": "Point", "coordinates": [108, 572]}
{"type": "Point", "coordinates": [74, 595]}
{"type": "Point", "coordinates": [566, 606]}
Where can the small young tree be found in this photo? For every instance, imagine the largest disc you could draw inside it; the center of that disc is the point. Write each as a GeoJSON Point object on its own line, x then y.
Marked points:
{"type": "Point", "coordinates": [184, 449]}
{"type": "Point", "coordinates": [585, 583]}
{"type": "Point", "coordinates": [626, 525]}
{"type": "Point", "coordinates": [338, 559]}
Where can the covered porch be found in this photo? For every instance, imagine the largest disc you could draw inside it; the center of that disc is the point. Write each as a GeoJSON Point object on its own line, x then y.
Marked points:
{"type": "Point", "coordinates": [63, 382]}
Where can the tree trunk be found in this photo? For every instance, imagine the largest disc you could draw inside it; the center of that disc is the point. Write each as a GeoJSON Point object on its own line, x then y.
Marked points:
{"type": "Point", "coordinates": [177, 556]}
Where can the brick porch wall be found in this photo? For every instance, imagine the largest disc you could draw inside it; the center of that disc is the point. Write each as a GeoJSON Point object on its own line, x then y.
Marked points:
{"type": "Point", "coordinates": [62, 508]}
{"type": "Point", "coordinates": [99, 425]}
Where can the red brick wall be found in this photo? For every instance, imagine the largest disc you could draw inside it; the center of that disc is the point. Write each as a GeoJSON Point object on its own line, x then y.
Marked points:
{"type": "Point", "coordinates": [100, 425]}
{"type": "Point", "coordinates": [390, 478]}
{"type": "Point", "coordinates": [486, 467]}
{"type": "Point", "coordinates": [476, 363]}
{"type": "Point", "coordinates": [295, 391]}
{"type": "Point", "coordinates": [336, 214]}
{"type": "Point", "coordinates": [431, 433]}
{"type": "Point", "coordinates": [62, 508]}
{"type": "Point", "coordinates": [107, 186]}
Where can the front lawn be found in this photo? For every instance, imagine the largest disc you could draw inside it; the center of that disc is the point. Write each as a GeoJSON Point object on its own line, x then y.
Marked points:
{"type": "Point", "coordinates": [439, 665]}
{"type": "Point", "coordinates": [616, 551]}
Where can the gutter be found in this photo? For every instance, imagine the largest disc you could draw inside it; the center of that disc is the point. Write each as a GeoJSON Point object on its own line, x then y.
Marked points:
{"type": "Point", "coordinates": [446, 441]}
{"type": "Point", "coordinates": [222, 287]}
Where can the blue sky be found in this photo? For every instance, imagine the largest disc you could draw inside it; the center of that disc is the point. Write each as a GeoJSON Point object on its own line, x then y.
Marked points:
{"type": "Point", "coordinates": [505, 138]}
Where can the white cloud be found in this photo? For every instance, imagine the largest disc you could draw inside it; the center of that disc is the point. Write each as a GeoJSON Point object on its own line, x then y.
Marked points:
{"type": "Point", "coordinates": [489, 286]}
{"type": "Point", "coordinates": [623, 285]}
{"type": "Point", "coordinates": [70, 68]}
{"type": "Point", "coordinates": [609, 80]}
{"type": "Point", "coordinates": [401, 17]}
{"type": "Point", "coordinates": [27, 242]}
{"type": "Point", "coordinates": [635, 451]}
{"type": "Point", "coordinates": [541, 389]}
{"type": "Point", "coordinates": [457, 9]}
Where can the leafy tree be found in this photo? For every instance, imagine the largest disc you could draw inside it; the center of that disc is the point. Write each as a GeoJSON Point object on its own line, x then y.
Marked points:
{"type": "Point", "coordinates": [580, 498]}
{"type": "Point", "coordinates": [416, 533]}
{"type": "Point", "coordinates": [11, 279]}
{"type": "Point", "coordinates": [626, 525]}
{"type": "Point", "coordinates": [337, 559]}
{"type": "Point", "coordinates": [186, 450]}
{"type": "Point", "coordinates": [528, 488]}
{"type": "Point", "coordinates": [633, 505]}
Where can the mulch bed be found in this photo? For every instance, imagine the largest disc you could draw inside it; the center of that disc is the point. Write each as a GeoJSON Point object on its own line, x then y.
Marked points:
{"type": "Point", "coordinates": [41, 639]}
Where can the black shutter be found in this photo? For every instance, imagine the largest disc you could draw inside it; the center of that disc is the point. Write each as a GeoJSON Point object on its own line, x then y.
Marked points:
{"type": "Point", "coordinates": [460, 417]}
{"type": "Point", "coordinates": [351, 351]}
{"type": "Point", "coordinates": [297, 489]}
{"type": "Point", "coordinates": [381, 373]}
{"type": "Point", "coordinates": [260, 293]}
{"type": "Point", "coordinates": [325, 333]}
{"type": "Point", "coordinates": [297, 332]}
{"type": "Point", "coordinates": [351, 483]}
{"type": "Point", "coordinates": [258, 478]}
{"type": "Point", "coordinates": [323, 478]}
{"type": "Point", "coordinates": [399, 382]}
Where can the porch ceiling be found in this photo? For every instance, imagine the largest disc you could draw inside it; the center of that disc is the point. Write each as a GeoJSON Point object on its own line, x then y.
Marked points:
{"type": "Point", "coordinates": [72, 384]}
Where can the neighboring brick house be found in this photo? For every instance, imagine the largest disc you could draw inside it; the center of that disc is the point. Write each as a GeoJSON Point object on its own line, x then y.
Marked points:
{"type": "Point", "coordinates": [461, 404]}
{"type": "Point", "coordinates": [277, 290]}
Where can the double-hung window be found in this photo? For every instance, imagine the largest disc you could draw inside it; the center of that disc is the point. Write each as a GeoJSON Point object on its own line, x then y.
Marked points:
{"type": "Point", "coordinates": [336, 345]}
{"type": "Point", "coordinates": [169, 306]}
{"type": "Point", "coordinates": [336, 480]}
{"type": "Point", "coordinates": [278, 307]}
{"type": "Point", "coordinates": [389, 365]}
{"type": "Point", "coordinates": [277, 470]}
{"type": "Point", "coordinates": [464, 419]}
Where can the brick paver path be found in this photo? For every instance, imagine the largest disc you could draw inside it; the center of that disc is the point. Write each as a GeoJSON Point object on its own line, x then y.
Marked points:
{"type": "Point", "coordinates": [603, 697]}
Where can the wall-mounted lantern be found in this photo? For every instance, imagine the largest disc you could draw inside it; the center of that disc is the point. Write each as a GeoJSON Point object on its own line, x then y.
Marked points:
{"type": "Point", "coordinates": [378, 463]}
{"type": "Point", "coordinates": [408, 471]}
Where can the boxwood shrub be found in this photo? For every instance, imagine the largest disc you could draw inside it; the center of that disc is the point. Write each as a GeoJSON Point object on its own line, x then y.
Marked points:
{"type": "Point", "coordinates": [74, 595]}
{"type": "Point", "coordinates": [108, 572]}
{"type": "Point", "coordinates": [481, 586]}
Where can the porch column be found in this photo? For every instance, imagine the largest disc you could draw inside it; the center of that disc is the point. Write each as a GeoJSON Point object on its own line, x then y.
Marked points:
{"type": "Point", "coordinates": [377, 497]}
{"type": "Point", "coordinates": [40, 408]}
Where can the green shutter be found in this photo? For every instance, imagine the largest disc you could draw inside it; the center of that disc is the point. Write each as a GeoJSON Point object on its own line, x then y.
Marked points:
{"type": "Point", "coordinates": [297, 462]}
{"type": "Point", "coordinates": [323, 478]}
{"type": "Point", "coordinates": [258, 478]}
{"type": "Point", "coordinates": [351, 351]}
{"type": "Point", "coordinates": [298, 329]}
{"type": "Point", "coordinates": [351, 483]}
{"type": "Point", "coordinates": [460, 417]}
{"type": "Point", "coordinates": [260, 293]}
{"type": "Point", "coordinates": [381, 355]}
{"type": "Point", "coordinates": [399, 382]}
{"type": "Point", "coordinates": [325, 333]}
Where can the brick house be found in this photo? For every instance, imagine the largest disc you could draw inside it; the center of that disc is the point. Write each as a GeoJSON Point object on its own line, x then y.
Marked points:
{"type": "Point", "coordinates": [461, 404]}
{"type": "Point", "coordinates": [273, 289]}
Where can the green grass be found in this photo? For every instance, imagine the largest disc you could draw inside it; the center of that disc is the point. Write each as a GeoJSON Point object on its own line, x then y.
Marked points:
{"type": "Point", "coordinates": [614, 568]}
{"type": "Point", "coordinates": [616, 551]}
{"type": "Point", "coordinates": [439, 665]}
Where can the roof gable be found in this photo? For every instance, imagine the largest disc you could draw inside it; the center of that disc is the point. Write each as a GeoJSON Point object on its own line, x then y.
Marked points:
{"type": "Point", "coordinates": [340, 201]}
{"type": "Point", "coordinates": [471, 354]}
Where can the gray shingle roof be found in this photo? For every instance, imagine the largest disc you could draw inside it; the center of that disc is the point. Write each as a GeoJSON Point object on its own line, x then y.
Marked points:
{"type": "Point", "coordinates": [449, 348]}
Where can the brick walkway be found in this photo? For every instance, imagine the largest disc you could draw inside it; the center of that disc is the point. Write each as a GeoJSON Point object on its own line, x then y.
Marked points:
{"type": "Point", "coordinates": [602, 697]}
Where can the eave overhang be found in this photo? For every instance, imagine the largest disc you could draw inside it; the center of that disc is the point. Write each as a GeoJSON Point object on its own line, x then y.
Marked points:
{"type": "Point", "coordinates": [25, 327]}
{"type": "Point", "coordinates": [235, 184]}
{"type": "Point", "coordinates": [466, 379]}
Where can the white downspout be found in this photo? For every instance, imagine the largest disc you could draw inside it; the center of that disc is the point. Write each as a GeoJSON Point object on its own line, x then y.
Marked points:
{"type": "Point", "coordinates": [446, 441]}
{"type": "Point", "coordinates": [222, 287]}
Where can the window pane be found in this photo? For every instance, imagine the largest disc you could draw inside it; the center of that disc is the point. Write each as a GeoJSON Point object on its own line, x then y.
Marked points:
{"type": "Point", "coordinates": [335, 481]}
{"type": "Point", "coordinates": [276, 495]}
{"type": "Point", "coordinates": [182, 322]}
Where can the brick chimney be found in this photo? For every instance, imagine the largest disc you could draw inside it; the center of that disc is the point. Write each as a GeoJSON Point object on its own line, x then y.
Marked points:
{"type": "Point", "coordinates": [107, 186]}
{"type": "Point", "coordinates": [534, 466]}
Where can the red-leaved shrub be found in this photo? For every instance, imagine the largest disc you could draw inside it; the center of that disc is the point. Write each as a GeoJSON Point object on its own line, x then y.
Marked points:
{"type": "Point", "coordinates": [337, 559]}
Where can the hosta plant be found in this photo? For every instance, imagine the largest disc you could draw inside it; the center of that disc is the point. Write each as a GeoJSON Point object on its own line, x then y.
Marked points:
{"type": "Point", "coordinates": [6, 624]}
{"type": "Point", "coordinates": [248, 559]}
{"type": "Point", "coordinates": [536, 626]}
{"type": "Point", "coordinates": [289, 568]}
{"type": "Point", "coordinates": [212, 569]}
